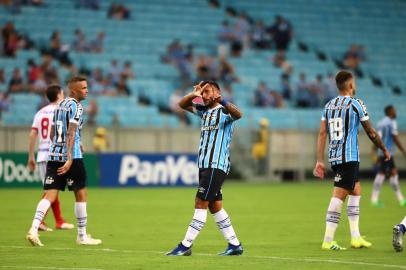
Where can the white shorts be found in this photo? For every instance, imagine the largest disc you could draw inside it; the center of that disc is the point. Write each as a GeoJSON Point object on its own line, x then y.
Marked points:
{"type": "Point", "coordinates": [42, 169]}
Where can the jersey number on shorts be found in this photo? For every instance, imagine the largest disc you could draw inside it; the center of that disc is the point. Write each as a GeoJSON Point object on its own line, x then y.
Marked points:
{"type": "Point", "coordinates": [44, 128]}
{"type": "Point", "coordinates": [336, 129]}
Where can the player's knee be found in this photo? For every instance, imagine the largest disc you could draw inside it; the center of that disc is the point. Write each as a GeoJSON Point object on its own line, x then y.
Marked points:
{"type": "Point", "coordinates": [215, 207]}
{"type": "Point", "coordinates": [201, 204]}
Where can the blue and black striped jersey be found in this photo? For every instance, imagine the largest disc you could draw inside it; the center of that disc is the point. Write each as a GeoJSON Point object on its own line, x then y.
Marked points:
{"type": "Point", "coordinates": [216, 132]}
{"type": "Point", "coordinates": [343, 115]}
{"type": "Point", "coordinates": [68, 111]}
{"type": "Point", "coordinates": [387, 128]}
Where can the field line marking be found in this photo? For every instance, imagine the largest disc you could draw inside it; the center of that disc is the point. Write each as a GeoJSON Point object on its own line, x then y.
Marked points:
{"type": "Point", "coordinates": [46, 267]}
{"type": "Point", "coordinates": [308, 260]}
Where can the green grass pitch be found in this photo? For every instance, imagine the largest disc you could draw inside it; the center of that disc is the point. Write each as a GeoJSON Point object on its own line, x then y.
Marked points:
{"type": "Point", "coordinates": [280, 225]}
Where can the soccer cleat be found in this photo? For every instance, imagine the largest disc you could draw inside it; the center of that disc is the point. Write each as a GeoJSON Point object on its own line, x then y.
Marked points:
{"type": "Point", "coordinates": [64, 226]}
{"type": "Point", "coordinates": [88, 241]}
{"type": "Point", "coordinates": [397, 239]}
{"type": "Point", "coordinates": [359, 242]}
{"type": "Point", "coordinates": [34, 239]}
{"type": "Point", "coordinates": [402, 203]}
{"type": "Point", "coordinates": [331, 246]}
{"type": "Point", "coordinates": [378, 204]}
{"type": "Point", "coordinates": [44, 227]}
{"type": "Point", "coordinates": [180, 250]}
{"type": "Point", "coordinates": [232, 250]}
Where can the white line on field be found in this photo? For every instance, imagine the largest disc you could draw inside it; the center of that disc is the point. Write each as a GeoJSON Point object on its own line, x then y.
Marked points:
{"type": "Point", "coordinates": [307, 260]}
{"type": "Point", "coordinates": [45, 267]}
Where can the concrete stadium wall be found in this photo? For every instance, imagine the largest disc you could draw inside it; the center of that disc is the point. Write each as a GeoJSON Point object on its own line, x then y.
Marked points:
{"type": "Point", "coordinates": [289, 150]}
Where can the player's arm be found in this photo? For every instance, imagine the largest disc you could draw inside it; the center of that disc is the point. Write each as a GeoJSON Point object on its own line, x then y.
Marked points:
{"type": "Point", "coordinates": [399, 144]}
{"type": "Point", "coordinates": [32, 139]}
{"type": "Point", "coordinates": [231, 109]}
{"type": "Point", "coordinates": [73, 126]}
{"type": "Point", "coordinates": [319, 169]}
{"type": "Point", "coordinates": [375, 138]}
{"type": "Point", "coordinates": [186, 102]}
{"type": "Point", "coordinates": [52, 132]}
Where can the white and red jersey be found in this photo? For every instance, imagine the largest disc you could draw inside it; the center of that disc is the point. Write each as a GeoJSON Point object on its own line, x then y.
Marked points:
{"type": "Point", "coordinates": [43, 120]}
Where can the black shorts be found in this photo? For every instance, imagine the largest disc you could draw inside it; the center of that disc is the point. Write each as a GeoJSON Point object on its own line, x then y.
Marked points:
{"type": "Point", "coordinates": [75, 178]}
{"type": "Point", "coordinates": [210, 183]}
{"type": "Point", "coordinates": [386, 166]}
{"type": "Point", "coordinates": [346, 174]}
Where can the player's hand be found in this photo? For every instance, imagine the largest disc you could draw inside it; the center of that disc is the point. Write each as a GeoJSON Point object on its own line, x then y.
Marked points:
{"type": "Point", "coordinates": [65, 168]}
{"type": "Point", "coordinates": [197, 90]}
{"type": "Point", "coordinates": [31, 164]}
{"type": "Point", "coordinates": [386, 154]}
{"type": "Point", "coordinates": [319, 170]}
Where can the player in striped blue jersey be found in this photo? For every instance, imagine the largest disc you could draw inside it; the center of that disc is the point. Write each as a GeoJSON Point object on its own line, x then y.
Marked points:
{"type": "Point", "coordinates": [387, 129]}
{"type": "Point", "coordinates": [65, 163]}
{"type": "Point", "coordinates": [340, 121]}
{"type": "Point", "coordinates": [217, 124]}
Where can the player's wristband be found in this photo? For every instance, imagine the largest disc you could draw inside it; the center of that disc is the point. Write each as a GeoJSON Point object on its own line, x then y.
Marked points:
{"type": "Point", "coordinates": [223, 102]}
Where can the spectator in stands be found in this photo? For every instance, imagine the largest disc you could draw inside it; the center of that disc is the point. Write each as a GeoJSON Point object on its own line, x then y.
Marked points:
{"type": "Point", "coordinates": [331, 88]}
{"type": "Point", "coordinates": [127, 71]}
{"type": "Point", "coordinates": [39, 86]}
{"type": "Point", "coordinates": [304, 98]}
{"type": "Point", "coordinates": [238, 41]}
{"type": "Point", "coordinates": [282, 33]}
{"type": "Point", "coordinates": [118, 12]}
{"type": "Point", "coordinates": [11, 45]}
{"type": "Point", "coordinates": [114, 71]}
{"type": "Point", "coordinates": [79, 42]}
{"type": "Point", "coordinates": [2, 80]}
{"type": "Point", "coordinates": [225, 37]}
{"type": "Point", "coordinates": [351, 57]}
{"type": "Point", "coordinates": [205, 69]}
{"type": "Point", "coordinates": [227, 73]}
{"type": "Point", "coordinates": [259, 36]}
{"type": "Point", "coordinates": [58, 50]}
{"type": "Point", "coordinates": [96, 82]}
{"type": "Point", "coordinates": [286, 88]}
{"type": "Point", "coordinates": [4, 102]}
{"type": "Point", "coordinates": [49, 71]}
{"type": "Point", "coordinates": [318, 88]}
{"type": "Point", "coordinates": [175, 97]}
{"type": "Point", "coordinates": [280, 61]}
{"type": "Point", "coordinates": [33, 71]}
{"type": "Point", "coordinates": [261, 95]}
{"type": "Point", "coordinates": [97, 45]}
{"type": "Point", "coordinates": [91, 111]}
{"type": "Point", "coordinates": [245, 28]}
{"type": "Point", "coordinates": [276, 99]}
{"type": "Point", "coordinates": [122, 87]}
{"type": "Point", "coordinates": [90, 4]}
{"type": "Point", "coordinates": [16, 83]}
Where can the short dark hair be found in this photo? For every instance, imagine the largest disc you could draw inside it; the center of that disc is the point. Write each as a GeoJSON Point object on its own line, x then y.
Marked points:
{"type": "Point", "coordinates": [212, 83]}
{"type": "Point", "coordinates": [342, 78]}
{"type": "Point", "coordinates": [52, 92]}
{"type": "Point", "coordinates": [388, 109]}
{"type": "Point", "coordinates": [75, 79]}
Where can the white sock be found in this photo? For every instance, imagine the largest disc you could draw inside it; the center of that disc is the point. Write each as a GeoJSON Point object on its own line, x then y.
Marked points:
{"type": "Point", "coordinates": [353, 214]}
{"type": "Point", "coordinates": [394, 182]}
{"type": "Point", "coordinates": [42, 209]}
{"type": "Point", "coordinates": [379, 178]}
{"type": "Point", "coordinates": [197, 224]}
{"type": "Point", "coordinates": [404, 222]}
{"type": "Point", "coordinates": [81, 217]}
{"type": "Point", "coordinates": [332, 218]}
{"type": "Point", "coordinates": [224, 223]}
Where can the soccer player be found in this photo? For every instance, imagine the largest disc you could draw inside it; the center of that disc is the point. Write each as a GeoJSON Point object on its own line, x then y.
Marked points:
{"type": "Point", "coordinates": [398, 233]}
{"type": "Point", "coordinates": [41, 125]}
{"type": "Point", "coordinates": [388, 131]}
{"type": "Point", "coordinates": [65, 163]}
{"type": "Point", "coordinates": [217, 126]}
{"type": "Point", "coordinates": [340, 120]}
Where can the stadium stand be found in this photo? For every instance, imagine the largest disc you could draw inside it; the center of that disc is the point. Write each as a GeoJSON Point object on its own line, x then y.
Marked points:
{"type": "Point", "coordinates": [378, 25]}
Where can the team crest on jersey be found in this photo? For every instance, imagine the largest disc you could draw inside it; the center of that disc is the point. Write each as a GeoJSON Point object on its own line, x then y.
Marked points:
{"type": "Point", "coordinates": [337, 178]}
{"type": "Point", "coordinates": [70, 182]}
{"type": "Point", "coordinates": [49, 180]}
